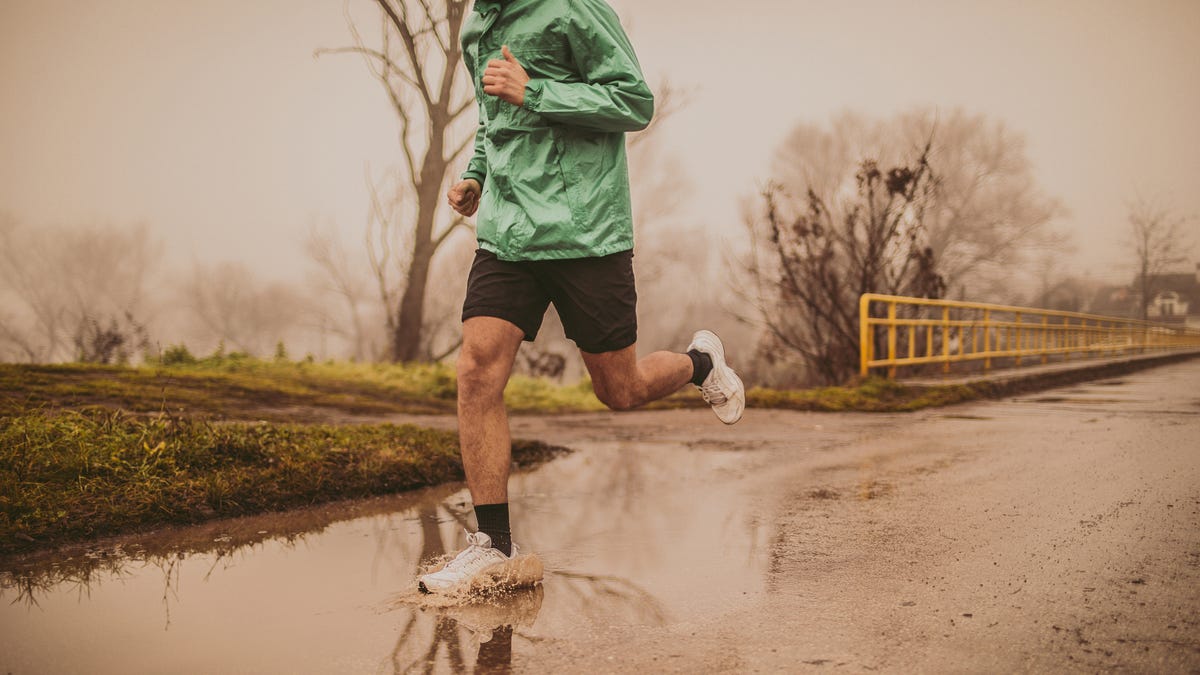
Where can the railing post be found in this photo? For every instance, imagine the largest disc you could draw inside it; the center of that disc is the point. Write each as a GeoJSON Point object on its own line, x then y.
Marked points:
{"type": "Point", "coordinates": [1045, 338]}
{"type": "Point", "coordinates": [928, 340]}
{"type": "Point", "coordinates": [946, 339]}
{"type": "Point", "coordinates": [1068, 338]}
{"type": "Point", "coordinates": [987, 339]}
{"type": "Point", "coordinates": [974, 333]}
{"type": "Point", "coordinates": [1019, 345]}
{"type": "Point", "coordinates": [1058, 338]}
{"type": "Point", "coordinates": [865, 341]}
{"type": "Point", "coordinates": [892, 340]}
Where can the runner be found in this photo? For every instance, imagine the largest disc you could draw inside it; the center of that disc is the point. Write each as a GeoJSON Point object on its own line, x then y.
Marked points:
{"type": "Point", "coordinates": [558, 88]}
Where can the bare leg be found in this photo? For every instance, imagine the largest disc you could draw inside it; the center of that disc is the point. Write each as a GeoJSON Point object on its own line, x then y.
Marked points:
{"type": "Point", "coordinates": [623, 382]}
{"type": "Point", "coordinates": [489, 348]}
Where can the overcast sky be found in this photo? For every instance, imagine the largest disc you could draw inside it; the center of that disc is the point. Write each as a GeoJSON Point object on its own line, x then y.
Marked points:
{"type": "Point", "coordinates": [212, 123]}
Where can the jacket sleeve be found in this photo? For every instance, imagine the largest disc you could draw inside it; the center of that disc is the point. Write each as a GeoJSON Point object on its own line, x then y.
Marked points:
{"type": "Point", "coordinates": [477, 168]}
{"type": "Point", "coordinates": [613, 95]}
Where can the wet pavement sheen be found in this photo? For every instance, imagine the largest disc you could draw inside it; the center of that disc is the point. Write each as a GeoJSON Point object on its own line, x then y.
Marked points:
{"type": "Point", "coordinates": [1055, 531]}
{"type": "Point", "coordinates": [624, 538]}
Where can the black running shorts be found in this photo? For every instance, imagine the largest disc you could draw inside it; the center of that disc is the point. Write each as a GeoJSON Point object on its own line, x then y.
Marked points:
{"type": "Point", "coordinates": [595, 297]}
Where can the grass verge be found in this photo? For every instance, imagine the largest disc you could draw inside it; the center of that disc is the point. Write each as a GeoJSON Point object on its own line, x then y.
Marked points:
{"type": "Point", "coordinates": [79, 475]}
{"type": "Point", "coordinates": [251, 389]}
{"type": "Point", "coordinates": [89, 451]}
{"type": "Point", "coordinates": [280, 391]}
{"type": "Point", "coordinates": [873, 395]}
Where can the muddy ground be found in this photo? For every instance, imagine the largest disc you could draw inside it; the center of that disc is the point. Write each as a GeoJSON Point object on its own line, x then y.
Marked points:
{"type": "Point", "coordinates": [1057, 531]}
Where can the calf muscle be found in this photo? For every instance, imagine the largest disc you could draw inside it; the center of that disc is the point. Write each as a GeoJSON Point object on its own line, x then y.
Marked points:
{"type": "Point", "coordinates": [623, 382]}
{"type": "Point", "coordinates": [489, 349]}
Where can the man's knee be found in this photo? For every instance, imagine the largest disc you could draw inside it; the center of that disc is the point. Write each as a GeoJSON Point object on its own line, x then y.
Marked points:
{"type": "Point", "coordinates": [617, 399]}
{"type": "Point", "coordinates": [480, 377]}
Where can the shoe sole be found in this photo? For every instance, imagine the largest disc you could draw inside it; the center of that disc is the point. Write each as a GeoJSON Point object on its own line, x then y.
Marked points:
{"type": "Point", "coordinates": [742, 387]}
{"type": "Point", "coordinates": [527, 573]}
{"type": "Point", "coordinates": [493, 581]}
{"type": "Point", "coordinates": [719, 346]}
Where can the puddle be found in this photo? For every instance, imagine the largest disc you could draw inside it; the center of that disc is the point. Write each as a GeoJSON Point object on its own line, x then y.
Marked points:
{"type": "Point", "coordinates": [627, 532]}
{"type": "Point", "coordinates": [477, 637]}
{"type": "Point", "coordinates": [1077, 399]}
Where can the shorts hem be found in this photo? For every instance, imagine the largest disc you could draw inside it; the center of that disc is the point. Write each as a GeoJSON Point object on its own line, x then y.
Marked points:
{"type": "Point", "coordinates": [606, 347]}
{"type": "Point", "coordinates": [503, 315]}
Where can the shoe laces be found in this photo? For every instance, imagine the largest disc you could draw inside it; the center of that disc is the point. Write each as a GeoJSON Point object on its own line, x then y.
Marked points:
{"type": "Point", "coordinates": [712, 393]}
{"type": "Point", "coordinates": [476, 552]}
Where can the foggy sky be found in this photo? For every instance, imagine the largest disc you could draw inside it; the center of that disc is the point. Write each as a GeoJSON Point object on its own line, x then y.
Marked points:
{"type": "Point", "coordinates": [212, 123]}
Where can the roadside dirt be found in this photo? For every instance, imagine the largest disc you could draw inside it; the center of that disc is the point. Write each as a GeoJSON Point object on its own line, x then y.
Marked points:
{"type": "Point", "coordinates": [1030, 534]}
{"type": "Point", "coordinates": [1050, 532]}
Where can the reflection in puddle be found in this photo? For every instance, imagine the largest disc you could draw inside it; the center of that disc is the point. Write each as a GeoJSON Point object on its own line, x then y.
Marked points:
{"type": "Point", "coordinates": [472, 636]}
{"type": "Point", "coordinates": [628, 533]}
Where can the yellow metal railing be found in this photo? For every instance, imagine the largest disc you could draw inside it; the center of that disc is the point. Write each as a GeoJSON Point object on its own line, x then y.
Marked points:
{"type": "Point", "coordinates": [898, 331]}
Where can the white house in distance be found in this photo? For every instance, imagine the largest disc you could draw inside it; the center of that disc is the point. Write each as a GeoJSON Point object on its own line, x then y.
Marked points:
{"type": "Point", "coordinates": [1167, 306]}
{"type": "Point", "coordinates": [1177, 298]}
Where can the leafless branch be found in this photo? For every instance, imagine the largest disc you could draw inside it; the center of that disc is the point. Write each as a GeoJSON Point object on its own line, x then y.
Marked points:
{"type": "Point", "coordinates": [399, 21]}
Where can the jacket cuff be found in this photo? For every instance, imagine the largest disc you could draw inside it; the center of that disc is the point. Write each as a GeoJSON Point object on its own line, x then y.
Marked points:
{"type": "Point", "coordinates": [474, 174]}
{"type": "Point", "coordinates": [533, 94]}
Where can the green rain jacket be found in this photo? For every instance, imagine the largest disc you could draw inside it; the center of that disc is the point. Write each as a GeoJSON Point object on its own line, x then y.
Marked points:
{"type": "Point", "coordinates": [554, 175]}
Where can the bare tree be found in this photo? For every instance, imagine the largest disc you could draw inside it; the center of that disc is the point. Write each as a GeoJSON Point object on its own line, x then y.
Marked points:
{"type": "Point", "coordinates": [342, 277]}
{"type": "Point", "coordinates": [231, 306]}
{"type": "Point", "coordinates": [989, 218]}
{"type": "Point", "coordinates": [814, 255]}
{"type": "Point", "coordinates": [915, 204]}
{"type": "Point", "coordinates": [988, 214]}
{"type": "Point", "coordinates": [1059, 290]}
{"type": "Point", "coordinates": [1158, 237]}
{"type": "Point", "coordinates": [418, 61]}
{"type": "Point", "coordinates": [58, 283]}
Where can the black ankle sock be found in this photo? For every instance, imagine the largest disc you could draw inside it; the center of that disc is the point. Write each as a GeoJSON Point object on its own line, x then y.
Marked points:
{"type": "Point", "coordinates": [493, 521]}
{"type": "Point", "coordinates": [701, 366]}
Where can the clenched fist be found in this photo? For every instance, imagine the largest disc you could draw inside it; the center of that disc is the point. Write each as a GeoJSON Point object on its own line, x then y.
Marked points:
{"type": "Point", "coordinates": [506, 79]}
{"type": "Point", "coordinates": [464, 197]}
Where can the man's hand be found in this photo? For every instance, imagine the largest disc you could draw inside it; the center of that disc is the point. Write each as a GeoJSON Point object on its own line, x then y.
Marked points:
{"type": "Point", "coordinates": [464, 197]}
{"type": "Point", "coordinates": [506, 79]}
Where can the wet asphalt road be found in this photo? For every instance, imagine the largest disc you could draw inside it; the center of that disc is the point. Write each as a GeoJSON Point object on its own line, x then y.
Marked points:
{"type": "Point", "coordinates": [1057, 531]}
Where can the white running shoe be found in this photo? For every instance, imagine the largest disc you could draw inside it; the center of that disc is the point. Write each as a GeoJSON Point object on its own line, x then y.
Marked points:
{"type": "Point", "coordinates": [722, 389]}
{"type": "Point", "coordinates": [477, 563]}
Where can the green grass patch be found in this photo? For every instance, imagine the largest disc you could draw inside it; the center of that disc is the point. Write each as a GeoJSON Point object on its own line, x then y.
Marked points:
{"type": "Point", "coordinates": [253, 389]}
{"type": "Point", "coordinates": [281, 391]}
{"type": "Point", "coordinates": [872, 395]}
{"type": "Point", "coordinates": [88, 451]}
{"type": "Point", "coordinates": [80, 475]}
